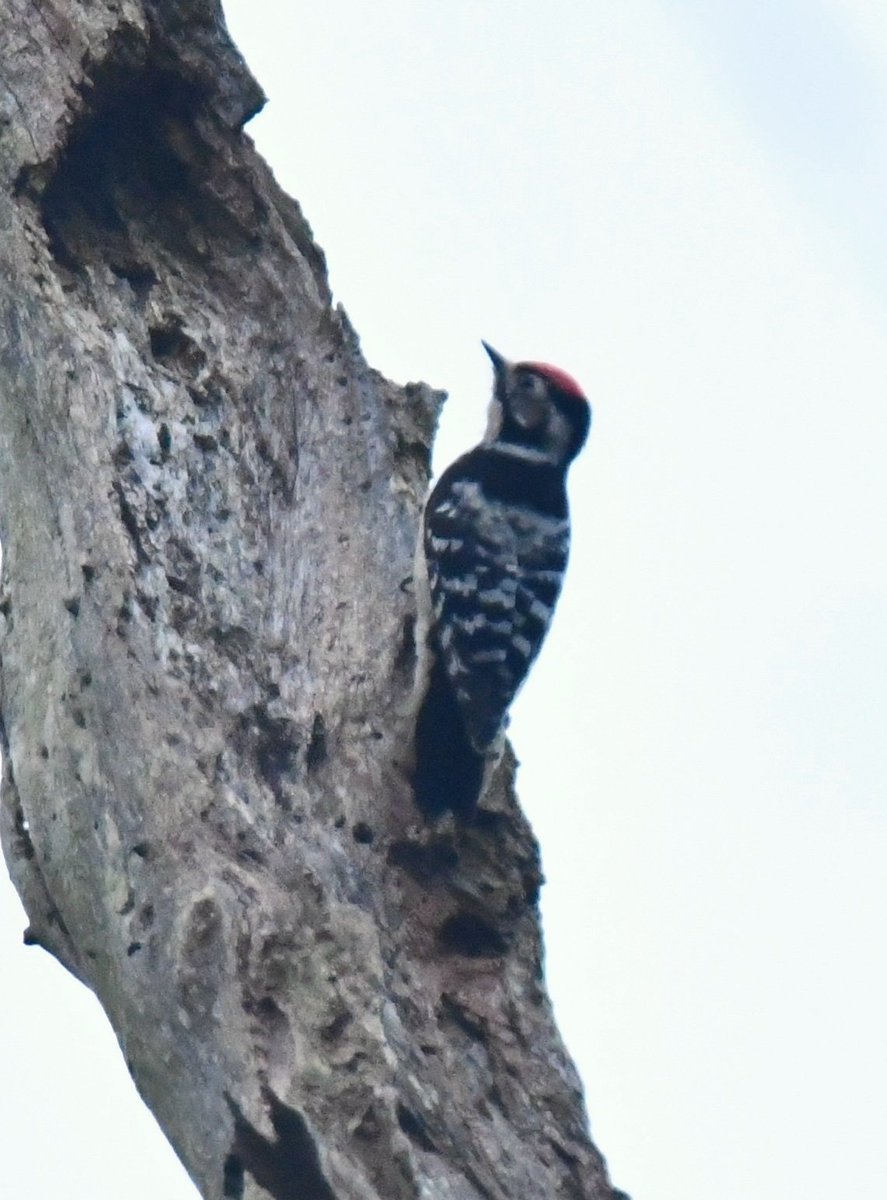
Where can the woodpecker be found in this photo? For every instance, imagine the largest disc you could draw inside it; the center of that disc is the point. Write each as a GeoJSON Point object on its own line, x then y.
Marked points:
{"type": "Point", "coordinates": [491, 561]}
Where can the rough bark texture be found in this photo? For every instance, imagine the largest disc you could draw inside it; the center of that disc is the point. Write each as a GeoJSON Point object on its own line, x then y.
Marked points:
{"type": "Point", "coordinates": [209, 505]}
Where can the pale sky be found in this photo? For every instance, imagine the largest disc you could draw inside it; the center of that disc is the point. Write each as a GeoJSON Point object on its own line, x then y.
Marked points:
{"type": "Point", "coordinates": [683, 204]}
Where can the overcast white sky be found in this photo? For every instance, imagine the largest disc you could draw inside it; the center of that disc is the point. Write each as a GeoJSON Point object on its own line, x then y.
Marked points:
{"type": "Point", "coordinates": [683, 204]}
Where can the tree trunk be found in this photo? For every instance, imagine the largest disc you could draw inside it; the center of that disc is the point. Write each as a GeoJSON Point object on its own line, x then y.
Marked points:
{"type": "Point", "coordinates": [209, 506]}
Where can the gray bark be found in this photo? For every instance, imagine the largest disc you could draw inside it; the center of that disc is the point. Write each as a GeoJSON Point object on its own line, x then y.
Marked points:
{"type": "Point", "coordinates": [209, 506]}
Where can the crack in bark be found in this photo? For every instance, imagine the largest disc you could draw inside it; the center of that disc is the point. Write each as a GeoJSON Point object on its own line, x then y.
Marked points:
{"type": "Point", "coordinates": [289, 1167]}
{"type": "Point", "coordinates": [130, 523]}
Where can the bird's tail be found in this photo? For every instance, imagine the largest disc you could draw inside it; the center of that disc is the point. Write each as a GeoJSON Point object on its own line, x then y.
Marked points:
{"type": "Point", "coordinates": [449, 772]}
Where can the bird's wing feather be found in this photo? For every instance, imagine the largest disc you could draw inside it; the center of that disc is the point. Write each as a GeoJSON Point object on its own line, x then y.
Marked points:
{"type": "Point", "coordinates": [474, 584]}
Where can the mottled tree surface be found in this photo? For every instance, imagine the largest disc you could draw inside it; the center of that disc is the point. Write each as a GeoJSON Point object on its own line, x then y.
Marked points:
{"type": "Point", "coordinates": [209, 505]}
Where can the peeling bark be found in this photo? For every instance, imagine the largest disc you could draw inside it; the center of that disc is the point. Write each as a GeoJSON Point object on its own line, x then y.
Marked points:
{"type": "Point", "coordinates": [209, 506]}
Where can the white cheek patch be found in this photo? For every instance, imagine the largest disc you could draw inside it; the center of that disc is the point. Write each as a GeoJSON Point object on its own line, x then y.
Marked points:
{"type": "Point", "coordinates": [529, 409]}
{"type": "Point", "coordinates": [494, 420]}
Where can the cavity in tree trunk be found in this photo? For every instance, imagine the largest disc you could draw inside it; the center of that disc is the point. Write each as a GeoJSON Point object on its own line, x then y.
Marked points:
{"type": "Point", "coordinates": [209, 506]}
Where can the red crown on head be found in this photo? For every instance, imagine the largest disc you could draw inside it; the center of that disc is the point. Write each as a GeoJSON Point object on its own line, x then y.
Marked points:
{"type": "Point", "coordinates": [560, 379]}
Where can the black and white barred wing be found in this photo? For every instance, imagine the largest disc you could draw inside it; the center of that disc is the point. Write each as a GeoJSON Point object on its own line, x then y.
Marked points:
{"type": "Point", "coordinates": [494, 574]}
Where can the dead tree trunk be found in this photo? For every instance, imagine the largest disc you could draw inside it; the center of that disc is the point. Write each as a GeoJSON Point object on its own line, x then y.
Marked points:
{"type": "Point", "coordinates": [209, 506]}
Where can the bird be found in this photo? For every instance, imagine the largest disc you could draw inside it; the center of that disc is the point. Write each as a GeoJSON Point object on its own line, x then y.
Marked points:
{"type": "Point", "coordinates": [491, 559]}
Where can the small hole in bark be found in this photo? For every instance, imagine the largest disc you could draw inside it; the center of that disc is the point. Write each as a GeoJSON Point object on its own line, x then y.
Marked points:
{"type": "Point", "coordinates": [563, 1153]}
{"type": "Point", "coordinates": [72, 604]}
{"type": "Point", "coordinates": [141, 850]}
{"type": "Point", "coordinates": [289, 1167]}
{"type": "Point", "coordinates": [488, 821]}
{"type": "Point", "coordinates": [471, 936]}
{"type": "Point", "coordinates": [88, 572]}
{"type": "Point", "coordinates": [164, 440]}
{"type": "Point", "coordinates": [140, 278]}
{"type": "Point", "coordinates": [363, 833]}
{"type": "Point", "coordinates": [406, 652]}
{"type": "Point", "coordinates": [123, 454]}
{"type": "Point", "coordinates": [23, 183]}
{"type": "Point", "coordinates": [369, 1126]}
{"type": "Point", "coordinates": [271, 1016]}
{"type": "Point", "coordinates": [424, 862]}
{"type": "Point", "coordinates": [415, 1128]}
{"type": "Point", "coordinates": [339, 823]}
{"type": "Point", "coordinates": [24, 846]}
{"type": "Point", "coordinates": [452, 1010]}
{"type": "Point", "coordinates": [130, 522]}
{"type": "Point", "coordinates": [179, 585]}
{"type": "Point", "coordinates": [275, 749]}
{"type": "Point", "coordinates": [133, 948]}
{"type": "Point", "coordinates": [44, 752]}
{"type": "Point", "coordinates": [316, 752]}
{"type": "Point", "coordinates": [264, 450]}
{"type": "Point", "coordinates": [148, 604]}
{"type": "Point", "coordinates": [334, 1030]}
{"type": "Point", "coordinates": [167, 341]}
{"type": "Point", "coordinates": [233, 1178]}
